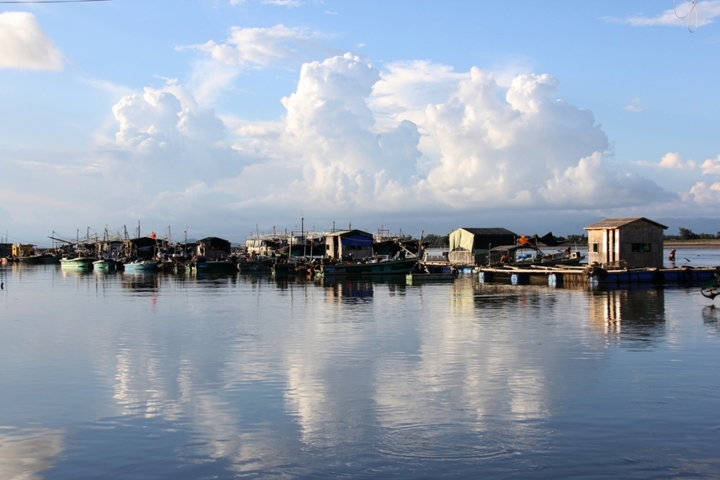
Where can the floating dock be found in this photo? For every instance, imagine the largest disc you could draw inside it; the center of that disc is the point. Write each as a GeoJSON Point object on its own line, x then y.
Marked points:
{"type": "Point", "coordinates": [592, 275]}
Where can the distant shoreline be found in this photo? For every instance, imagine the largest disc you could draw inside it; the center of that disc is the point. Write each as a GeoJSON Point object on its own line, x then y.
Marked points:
{"type": "Point", "coordinates": [692, 244]}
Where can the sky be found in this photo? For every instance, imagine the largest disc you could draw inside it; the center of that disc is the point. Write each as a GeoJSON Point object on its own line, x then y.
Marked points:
{"type": "Point", "coordinates": [232, 117]}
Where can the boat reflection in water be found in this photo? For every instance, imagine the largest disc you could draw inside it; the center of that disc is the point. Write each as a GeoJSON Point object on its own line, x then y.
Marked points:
{"type": "Point", "coordinates": [76, 272]}
{"type": "Point", "coordinates": [142, 282]}
{"type": "Point", "coordinates": [359, 289]}
{"type": "Point", "coordinates": [348, 290]}
{"type": "Point", "coordinates": [711, 318]}
{"type": "Point", "coordinates": [473, 300]}
{"type": "Point", "coordinates": [211, 280]}
{"type": "Point", "coordinates": [636, 316]}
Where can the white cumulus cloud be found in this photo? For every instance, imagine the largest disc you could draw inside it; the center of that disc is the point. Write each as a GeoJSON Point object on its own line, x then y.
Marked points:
{"type": "Point", "coordinates": [591, 185]}
{"type": "Point", "coordinates": [24, 45]}
{"type": "Point", "coordinates": [160, 118]}
{"type": "Point", "coordinates": [673, 160]}
{"type": "Point", "coordinates": [711, 166]}
{"type": "Point", "coordinates": [422, 136]}
{"type": "Point", "coordinates": [165, 141]}
{"type": "Point", "coordinates": [496, 151]}
{"type": "Point", "coordinates": [405, 89]}
{"type": "Point", "coordinates": [327, 141]}
{"type": "Point", "coordinates": [705, 195]}
{"type": "Point", "coordinates": [259, 46]}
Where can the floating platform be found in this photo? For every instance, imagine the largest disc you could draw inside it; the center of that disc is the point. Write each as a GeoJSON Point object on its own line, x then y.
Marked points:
{"type": "Point", "coordinates": [593, 275]}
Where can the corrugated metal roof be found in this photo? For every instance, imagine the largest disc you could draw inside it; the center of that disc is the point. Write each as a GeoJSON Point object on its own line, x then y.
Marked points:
{"type": "Point", "coordinates": [609, 223]}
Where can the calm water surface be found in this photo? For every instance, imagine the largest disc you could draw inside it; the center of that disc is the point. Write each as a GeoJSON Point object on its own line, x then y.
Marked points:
{"type": "Point", "coordinates": [163, 377]}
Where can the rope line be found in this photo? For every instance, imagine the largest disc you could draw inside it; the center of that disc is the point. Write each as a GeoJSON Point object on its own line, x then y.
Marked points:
{"type": "Point", "coordinates": [688, 15]}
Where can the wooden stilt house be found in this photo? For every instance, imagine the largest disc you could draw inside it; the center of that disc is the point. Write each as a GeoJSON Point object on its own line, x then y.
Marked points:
{"type": "Point", "coordinates": [626, 242]}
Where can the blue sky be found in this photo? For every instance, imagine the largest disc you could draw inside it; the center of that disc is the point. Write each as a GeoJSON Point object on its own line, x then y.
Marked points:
{"type": "Point", "coordinates": [222, 117]}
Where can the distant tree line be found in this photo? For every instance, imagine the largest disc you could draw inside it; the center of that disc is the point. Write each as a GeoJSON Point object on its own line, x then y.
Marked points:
{"type": "Point", "coordinates": [687, 234]}
{"type": "Point", "coordinates": [581, 239]}
{"type": "Point", "coordinates": [434, 240]}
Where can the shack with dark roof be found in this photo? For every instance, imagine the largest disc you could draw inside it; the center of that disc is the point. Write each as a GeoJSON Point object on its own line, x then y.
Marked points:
{"type": "Point", "coordinates": [635, 242]}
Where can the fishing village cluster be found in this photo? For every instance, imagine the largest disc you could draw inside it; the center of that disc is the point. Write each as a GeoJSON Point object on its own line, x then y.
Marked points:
{"type": "Point", "coordinates": [619, 251]}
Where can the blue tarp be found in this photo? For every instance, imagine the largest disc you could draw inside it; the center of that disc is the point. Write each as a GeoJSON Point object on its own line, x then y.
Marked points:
{"type": "Point", "coordinates": [357, 241]}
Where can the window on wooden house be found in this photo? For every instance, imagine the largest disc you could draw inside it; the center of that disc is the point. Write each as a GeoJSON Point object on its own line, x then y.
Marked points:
{"type": "Point", "coordinates": [640, 247]}
{"type": "Point", "coordinates": [595, 248]}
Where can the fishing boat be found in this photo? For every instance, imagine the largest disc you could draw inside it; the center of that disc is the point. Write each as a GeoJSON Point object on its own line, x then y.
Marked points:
{"type": "Point", "coordinates": [30, 255]}
{"type": "Point", "coordinates": [289, 268]}
{"type": "Point", "coordinates": [256, 264]}
{"type": "Point", "coordinates": [371, 266]}
{"type": "Point", "coordinates": [203, 264]}
{"type": "Point", "coordinates": [77, 263]}
{"type": "Point", "coordinates": [39, 259]}
{"type": "Point", "coordinates": [105, 265]}
{"type": "Point", "coordinates": [142, 266]}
